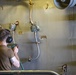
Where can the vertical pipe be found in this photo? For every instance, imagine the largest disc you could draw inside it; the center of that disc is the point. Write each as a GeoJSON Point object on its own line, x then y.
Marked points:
{"type": "Point", "coordinates": [30, 10]}
{"type": "Point", "coordinates": [13, 37]}
{"type": "Point", "coordinates": [35, 32]}
{"type": "Point", "coordinates": [37, 44]}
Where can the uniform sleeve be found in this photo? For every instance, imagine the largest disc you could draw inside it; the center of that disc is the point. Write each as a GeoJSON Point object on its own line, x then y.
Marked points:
{"type": "Point", "coordinates": [10, 53]}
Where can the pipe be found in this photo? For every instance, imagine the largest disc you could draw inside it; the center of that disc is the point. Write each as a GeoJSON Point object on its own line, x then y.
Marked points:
{"type": "Point", "coordinates": [28, 72]}
{"type": "Point", "coordinates": [38, 48]}
{"type": "Point", "coordinates": [30, 10]}
{"type": "Point", "coordinates": [34, 30]}
{"type": "Point", "coordinates": [13, 37]}
{"type": "Point", "coordinates": [37, 44]}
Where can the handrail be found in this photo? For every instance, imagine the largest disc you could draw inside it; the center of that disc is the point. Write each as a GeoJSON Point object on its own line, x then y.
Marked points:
{"type": "Point", "coordinates": [30, 71]}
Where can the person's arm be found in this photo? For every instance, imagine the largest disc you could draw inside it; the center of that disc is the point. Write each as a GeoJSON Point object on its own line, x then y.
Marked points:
{"type": "Point", "coordinates": [15, 60]}
{"type": "Point", "coordinates": [16, 55]}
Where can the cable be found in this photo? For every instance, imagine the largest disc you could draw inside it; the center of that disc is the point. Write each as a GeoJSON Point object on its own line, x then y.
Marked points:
{"type": "Point", "coordinates": [21, 65]}
{"type": "Point", "coordinates": [38, 48]}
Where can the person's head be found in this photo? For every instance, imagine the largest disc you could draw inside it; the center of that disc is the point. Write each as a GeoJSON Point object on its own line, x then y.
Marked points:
{"type": "Point", "coordinates": [5, 36]}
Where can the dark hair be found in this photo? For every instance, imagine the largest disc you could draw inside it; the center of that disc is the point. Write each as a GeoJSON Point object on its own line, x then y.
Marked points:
{"type": "Point", "coordinates": [4, 33]}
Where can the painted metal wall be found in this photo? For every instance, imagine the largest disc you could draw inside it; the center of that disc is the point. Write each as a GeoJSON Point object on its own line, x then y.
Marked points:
{"type": "Point", "coordinates": [59, 46]}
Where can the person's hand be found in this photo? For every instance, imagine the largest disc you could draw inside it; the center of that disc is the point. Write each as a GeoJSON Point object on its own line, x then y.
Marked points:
{"type": "Point", "coordinates": [15, 49]}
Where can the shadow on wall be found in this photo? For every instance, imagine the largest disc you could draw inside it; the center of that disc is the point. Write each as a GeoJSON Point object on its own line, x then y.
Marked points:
{"type": "Point", "coordinates": [72, 63]}
{"type": "Point", "coordinates": [71, 47]}
{"type": "Point", "coordinates": [13, 3]}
